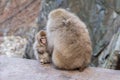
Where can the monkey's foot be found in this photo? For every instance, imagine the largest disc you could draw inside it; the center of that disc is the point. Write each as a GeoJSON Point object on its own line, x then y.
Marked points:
{"type": "Point", "coordinates": [81, 69]}
{"type": "Point", "coordinates": [44, 61]}
{"type": "Point", "coordinates": [45, 58]}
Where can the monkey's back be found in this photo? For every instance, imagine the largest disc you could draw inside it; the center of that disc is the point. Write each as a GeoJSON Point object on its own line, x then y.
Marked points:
{"type": "Point", "coordinates": [71, 42]}
{"type": "Point", "coordinates": [74, 46]}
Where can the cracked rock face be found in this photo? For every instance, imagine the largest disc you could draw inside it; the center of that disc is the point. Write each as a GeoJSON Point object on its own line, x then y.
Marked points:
{"type": "Point", "coordinates": [13, 46]}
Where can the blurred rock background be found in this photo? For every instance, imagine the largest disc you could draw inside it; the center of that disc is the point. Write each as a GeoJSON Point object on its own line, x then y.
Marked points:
{"type": "Point", "coordinates": [17, 16]}
{"type": "Point", "coordinates": [25, 18]}
{"type": "Point", "coordinates": [13, 46]}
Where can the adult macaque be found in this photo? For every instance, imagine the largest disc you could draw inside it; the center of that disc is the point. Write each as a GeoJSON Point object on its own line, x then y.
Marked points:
{"type": "Point", "coordinates": [68, 40]}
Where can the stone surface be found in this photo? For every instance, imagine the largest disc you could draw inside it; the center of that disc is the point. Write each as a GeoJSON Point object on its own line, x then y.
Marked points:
{"type": "Point", "coordinates": [109, 58]}
{"type": "Point", "coordinates": [24, 69]}
{"type": "Point", "coordinates": [17, 16]}
{"type": "Point", "coordinates": [13, 46]}
{"type": "Point", "coordinates": [1, 40]}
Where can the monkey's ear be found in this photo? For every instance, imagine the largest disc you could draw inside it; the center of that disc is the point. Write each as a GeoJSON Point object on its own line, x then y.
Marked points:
{"type": "Point", "coordinates": [66, 22]}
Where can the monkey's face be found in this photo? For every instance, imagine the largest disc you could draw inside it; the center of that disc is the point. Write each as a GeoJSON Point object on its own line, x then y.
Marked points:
{"type": "Point", "coordinates": [42, 40]}
{"type": "Point", "coordinates": [41, 37]}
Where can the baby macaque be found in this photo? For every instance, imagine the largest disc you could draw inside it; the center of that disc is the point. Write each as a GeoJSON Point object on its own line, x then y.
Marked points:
{"type": "Point", "coordinates": [68, 40]}
{"type": "Point", "coordinates": [40, 47]}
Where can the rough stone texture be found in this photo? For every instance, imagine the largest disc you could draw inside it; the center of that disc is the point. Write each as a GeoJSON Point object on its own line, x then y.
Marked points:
{"type": "Point", "coordinates": [13, 46]}
{"type": "Point", "coordinates": [111, 55]}
{"type": "Point", "coordinates": [23, 69]}
{"type": "Point", "coordinates": [17, 16]}
{"type": "Point", "coordinates": [1, 40]}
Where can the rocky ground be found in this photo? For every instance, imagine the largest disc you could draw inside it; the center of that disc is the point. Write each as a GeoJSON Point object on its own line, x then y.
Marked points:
{"type": "Point", "coordinates": [24, 69]}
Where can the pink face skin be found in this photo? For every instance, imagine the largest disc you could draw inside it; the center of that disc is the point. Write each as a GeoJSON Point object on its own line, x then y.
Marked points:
{"type": "Point", "coordinates": [43, 40]}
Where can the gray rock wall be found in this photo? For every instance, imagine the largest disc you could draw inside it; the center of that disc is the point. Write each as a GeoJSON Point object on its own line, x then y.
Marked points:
{"type": "Point", "coordinates": [101, 16]}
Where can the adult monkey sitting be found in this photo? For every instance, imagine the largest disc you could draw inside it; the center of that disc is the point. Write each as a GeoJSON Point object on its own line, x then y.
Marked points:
{"type": "Point", "coordinates": [68, 40]}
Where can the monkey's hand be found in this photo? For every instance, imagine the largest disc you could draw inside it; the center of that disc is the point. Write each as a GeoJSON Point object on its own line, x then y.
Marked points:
{"type": "Point", "coordinates": [41, 50]}
{"type": "Point", "coordinates": [45, 58]}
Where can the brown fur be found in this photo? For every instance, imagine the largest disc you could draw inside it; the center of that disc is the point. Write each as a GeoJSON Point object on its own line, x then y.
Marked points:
{"type": "Point", "coordinates": [68, 40]}
{"type": "Point", "coordinates": [40, 47]}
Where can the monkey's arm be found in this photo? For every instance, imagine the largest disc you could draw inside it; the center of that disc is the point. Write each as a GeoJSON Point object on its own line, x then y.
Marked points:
{"type": "Point", "coordinates": [41, 50]}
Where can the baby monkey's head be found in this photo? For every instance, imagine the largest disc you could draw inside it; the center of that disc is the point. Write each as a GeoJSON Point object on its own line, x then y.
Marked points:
{"type": "Point", "coordinates": [41, 37]}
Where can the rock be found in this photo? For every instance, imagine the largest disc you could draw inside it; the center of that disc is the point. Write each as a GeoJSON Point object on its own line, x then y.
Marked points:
{"type": "Point", "coordinates": [17, 17]}
{"type": "Point", "coordinates": [13, 46]}
{"type": "Point", "coordinates": [24, 69]}
{"type": "Point", "coordinates": [110, 56]}
{"type": "Point", "coordinates": [101, 17]}
{"type": "Point", "coordinates": [1, 39]}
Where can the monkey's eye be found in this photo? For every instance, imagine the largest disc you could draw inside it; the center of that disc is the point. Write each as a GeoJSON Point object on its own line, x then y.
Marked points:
{"type": "Point", "coordinates": [40, 41]}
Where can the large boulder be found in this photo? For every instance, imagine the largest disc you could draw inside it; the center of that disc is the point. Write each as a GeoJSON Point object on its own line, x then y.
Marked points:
{"type": "Point", "coordinates": [25, 69]}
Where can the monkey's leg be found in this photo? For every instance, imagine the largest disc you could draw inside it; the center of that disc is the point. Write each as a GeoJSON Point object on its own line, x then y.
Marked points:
{"type": "Point", "coordinates": [85, 65]}
{"type": "Point", "coordinates": [45, 58]}
{"type": "Point", "coordinates": [81, 69]}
